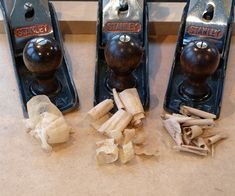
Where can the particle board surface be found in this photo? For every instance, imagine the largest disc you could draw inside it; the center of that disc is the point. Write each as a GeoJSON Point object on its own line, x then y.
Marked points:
{"type": "Point", "coordinates": [72, 170]}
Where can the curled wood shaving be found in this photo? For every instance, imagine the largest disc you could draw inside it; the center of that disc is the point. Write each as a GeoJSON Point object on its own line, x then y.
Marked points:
{"type": "Point", "coordinates": [186, 110]}
{"type": "Point", "coordinates": [216, 138]}
{"type": "Point", "coordinates": [117, 100]}
{"type": "Point", "coordinates": [174, 129]}
{"type": "Point", "coordinates": [119, 121]}
{"type": "Point", "coordinates": [101, 109]}
{"type": "Point", "coordinates": [193, 131]}
{"type": "Point", "coordinates": [199, 122]}
{"type": "Point", "coordinates": [184, 149]}
{"type": "Point", "coordinates": [129, 135]}
{"type": "Point", "coordinates": [107, 152]}
{"type": "Point", "coordinates": [127, 153]}
{"type": "Point", "coordinates": [197, 133]}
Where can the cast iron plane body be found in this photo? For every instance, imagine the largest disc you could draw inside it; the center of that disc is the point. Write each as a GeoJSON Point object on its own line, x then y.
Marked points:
{"type": "Point", "coordinates": [28, 19]}
{"type": "Point", "coordinates": [194, 27]}
{"type": "Point", "coordinates": [132, 22]}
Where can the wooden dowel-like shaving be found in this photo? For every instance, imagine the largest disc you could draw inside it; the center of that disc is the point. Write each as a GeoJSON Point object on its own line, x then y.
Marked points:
{"type": "Point", "coordinates": [118, 121]}
{"type": "Point", "coordinates": [131, 100]}
{"type": "Point", "coordinates": [101, 109]}
{"type": "Point", "coordinates": [195, 148]}
{"type": "Point", "coordinates": [173, 128]}
{"type": "Point", "coordinates": [97, 124]}
{"type": "Point", "coordinates": [199, 122]}
{"type": "Point", "coordinates": [178, 117]}
{"type": "Point", "coordinates": [199, 142]}
{"type": "Point", "coordinates": [208, 133]}
{"type": "Point", "coordinates": [183, 149]}
{"type": "Point", "coordinates": [216, 138]}
{"type": "Point", "coordinates": [194, 131]}
{"type": "Point", "coordinates": [117, 100]}
{"type": "Point", "coordinates": [186, 110]}
{"type": "Point", "coordinates": [186, 139]}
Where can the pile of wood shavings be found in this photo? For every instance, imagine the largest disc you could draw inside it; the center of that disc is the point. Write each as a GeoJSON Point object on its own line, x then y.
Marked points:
{"type": "Point", "coordinates": [123, 128]}
{"type": "Point", "coordinates": [46, 122]}
{"type": "Point", "coordinates": [192, 131]}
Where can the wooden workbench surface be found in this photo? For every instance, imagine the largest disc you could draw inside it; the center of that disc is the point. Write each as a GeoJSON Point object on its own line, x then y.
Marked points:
{"type": "Point", "coordinates": [71, 170]}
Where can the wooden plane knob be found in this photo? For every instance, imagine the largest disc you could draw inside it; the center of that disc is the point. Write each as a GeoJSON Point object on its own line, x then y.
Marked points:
{"type": "Point", "coordinates": [199, 60]}
{"type": "Point", "coordinates": [43, 56]}
{"type": "Point", "coordinates": [123, 54]}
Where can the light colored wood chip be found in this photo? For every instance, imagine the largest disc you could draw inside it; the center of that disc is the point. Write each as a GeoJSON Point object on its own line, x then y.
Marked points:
{"type": "Point", "coordinates": [116, 135]}
{"type": "Point", "coordinates": [57, 131]}
{"type": "Point", "coordinates": [186, 110]}
{"type": "Point", "coordinates": [107, 153]}
{"type": "Point", "coordinates": [216, 138]}
{"type": "Point", "coordinates": [139, 138]}
{"type": "Point", "coordinates": [183, 149]}
{"type": "Point", "coordinates": [137, 120]}
{"type": "Point", "coordinates": [131, 100]}
{"type": "Point", "coordinates": [200, 142]}
{"type": "Point", "coordinates": [117, 99]}
{"type": "Point", "coordinates": [174, 129]}
{"type": "Point", "coordinates": [137, 124]}
{"type": "Point", "coordinates": [193, 131]}
{"type": "Point", "coordinates": [199, 122]}
{"type": "Point", "coordinates": [195, 148]}
{"type": "Point", "coordinates": [97, 124]}
{"type": "Point", "coordinates": [38, 105]}
{"type": "Point", "coordinates": [101, 109]}
{"type": "Point", "coordinates": [178, 117]}
{"type": "Point", "coordinates": [209, 133]}
{"type": "Point", "coordinates": [129, 135]}
{"type": "Point", "coordinates": [119, 121]}
{"type": "Point", "coordinates": [186, 139]}
{"type": "Point", "coordinates": [127, 153]}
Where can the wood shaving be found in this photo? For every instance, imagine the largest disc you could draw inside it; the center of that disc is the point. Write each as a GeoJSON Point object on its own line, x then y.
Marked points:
{"type": "Point", "coordinates": [107, 152]}
{"type": "Point", "coordinates": [173, 128]}
{"type": "Point", "coordinates": [101, 109]}
{"type": "Point", "coordinates": [46, 123]}
{"type": "Point", "coordinates": [120, 128]}
{"type": "Point", "coordinates": [127, 153]}
{"type": "Point", "coordinates": [192, 131]}
{"type": "Point", "coordinates": [186, 110]}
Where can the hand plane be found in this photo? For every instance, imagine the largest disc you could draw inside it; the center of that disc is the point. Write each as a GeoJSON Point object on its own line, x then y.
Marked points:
{"type": "Point", "coordinates": [122, 49]}
{"type": "Point", "coordinates": [38, 54]}
{"type": "Point", "coordinates": [200, 61]}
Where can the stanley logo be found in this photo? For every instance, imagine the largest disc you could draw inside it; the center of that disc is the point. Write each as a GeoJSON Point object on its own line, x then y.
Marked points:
{"type": "Point", "coordinates": [39, 29]}
{"type": "Point", "coordinates": [132, 27]}
{"type": "Point", "coordinates": [205, 32]}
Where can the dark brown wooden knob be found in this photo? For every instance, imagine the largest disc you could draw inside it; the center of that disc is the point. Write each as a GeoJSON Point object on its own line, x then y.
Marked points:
{"type": "Point", "coordinates": [43, 56]}
{"type": "Point", "coordinates": [199, 60]}
{"type": "Point", "coordinates": [123, 54]}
